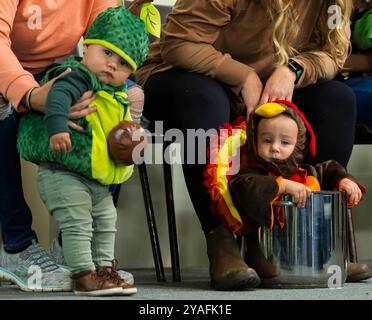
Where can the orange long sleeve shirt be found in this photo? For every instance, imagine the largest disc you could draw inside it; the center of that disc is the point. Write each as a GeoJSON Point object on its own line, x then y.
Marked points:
{"type": "Point", "coordinates": [33, 34]}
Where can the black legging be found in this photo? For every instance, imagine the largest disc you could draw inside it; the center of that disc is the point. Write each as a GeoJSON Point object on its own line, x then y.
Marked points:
{"type": "Point", "coordinates": [185, 100]}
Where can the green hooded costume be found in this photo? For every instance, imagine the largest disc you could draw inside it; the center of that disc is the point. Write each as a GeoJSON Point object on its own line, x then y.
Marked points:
{"type": "Point", "coordinates": [123, 33]}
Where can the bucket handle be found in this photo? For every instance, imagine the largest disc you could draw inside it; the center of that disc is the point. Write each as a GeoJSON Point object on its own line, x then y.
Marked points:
{"type": "Point", "coordinates": [284, 203]}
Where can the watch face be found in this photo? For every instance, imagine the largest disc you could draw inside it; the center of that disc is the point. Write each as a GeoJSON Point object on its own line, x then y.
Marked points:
{"type": "Point", "coordinates": [296, 68]}
{"type": "Point", "coordinates": [293, 65]}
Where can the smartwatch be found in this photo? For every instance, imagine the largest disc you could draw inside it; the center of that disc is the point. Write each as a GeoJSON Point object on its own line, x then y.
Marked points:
{"type": "Point", "coordinates": [296, 68]}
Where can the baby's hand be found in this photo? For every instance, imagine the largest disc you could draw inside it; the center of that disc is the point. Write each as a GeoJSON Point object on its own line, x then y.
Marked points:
{"type": "Point", "coordinates": [299, 192]}
{"type": "Point", "coordinates": [354, 194]}
{"type": "Point", "coordinates": [60, 142]}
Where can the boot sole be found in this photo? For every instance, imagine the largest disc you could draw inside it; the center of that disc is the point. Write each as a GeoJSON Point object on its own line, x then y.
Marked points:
{"type": "Point", "coordinates": [235, 282]}
{"type": "Point", "coordinates": [129, 291]}
{"type": "Point", "coordinates": [101, 293]}
{"type": "Point", "coordinates": [360, 277]}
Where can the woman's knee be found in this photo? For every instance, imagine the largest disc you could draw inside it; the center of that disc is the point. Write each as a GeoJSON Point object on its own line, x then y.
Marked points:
{"type": "Point", "coordinates": [204, 103]}
{"type": "Point", "coordinates": [340, 96]}
{"type": "Point", "coordinates": [187, 87]}
{"type": "Point", "coordinates": [206, 92]}
{"type": "Point", "coordinates": [187, 96]}
{"type": "Point", "coordinates": [327, 102]}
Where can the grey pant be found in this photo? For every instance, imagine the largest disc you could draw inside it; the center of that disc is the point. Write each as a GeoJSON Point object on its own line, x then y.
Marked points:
{"type": "Point", "coordinates": [86, 215]}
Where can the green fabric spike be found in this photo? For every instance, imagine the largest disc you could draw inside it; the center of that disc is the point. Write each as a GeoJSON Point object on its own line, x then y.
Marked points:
{"type": "Point", "coordinates": [33, 144]}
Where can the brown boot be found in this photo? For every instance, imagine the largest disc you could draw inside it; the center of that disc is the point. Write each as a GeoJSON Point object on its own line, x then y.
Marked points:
{"type": "Point", "coordinates": [90, 283]}
{"type": "Point", "coordinates": [358, 272]}
{"type": "Point", "coordinates": [228, 271]}
{"type": "Point", "coordinates": [111, 273]}
{"type": "Point", "coordinates": [265, 268]}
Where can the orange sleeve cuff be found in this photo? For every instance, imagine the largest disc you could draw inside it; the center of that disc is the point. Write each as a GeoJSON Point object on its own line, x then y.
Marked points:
{"type": "Point", "coordinates": [279, 181]}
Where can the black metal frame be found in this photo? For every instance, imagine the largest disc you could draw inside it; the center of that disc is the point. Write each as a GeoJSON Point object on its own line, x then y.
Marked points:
{"type": "Point", "coordinates": [171, 217]}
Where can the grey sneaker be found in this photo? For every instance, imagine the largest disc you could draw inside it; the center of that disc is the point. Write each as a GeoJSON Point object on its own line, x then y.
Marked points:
{"type": "Point", "coordinates": [55, 251]}
{"type": "Point", "coordinates": [33, 270]}
{"type": "Point", "coordinates": [126, 276]}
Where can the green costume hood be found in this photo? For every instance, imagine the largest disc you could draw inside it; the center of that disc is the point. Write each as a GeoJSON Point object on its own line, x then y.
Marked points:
{"type": "Point", "coordinates": [120, 31]}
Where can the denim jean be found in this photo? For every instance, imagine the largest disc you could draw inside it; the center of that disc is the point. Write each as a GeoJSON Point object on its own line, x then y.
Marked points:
{"type": "Point", "coordinates": [362, 87]}
{"type": "Point", "coordinates": [15, 215]}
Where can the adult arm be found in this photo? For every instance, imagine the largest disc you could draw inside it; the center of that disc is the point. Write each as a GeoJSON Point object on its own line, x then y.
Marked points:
{"type": "Point", "coordinates": [319, 64]}
{"type": "Point", "coordinates": [15, 82]}
{"type": "Point", "coordinates": [359, 62]}
{"type": "Point", "coordinates": [187, 41]}
{"type": "Point", "coordinates": [39, 95]}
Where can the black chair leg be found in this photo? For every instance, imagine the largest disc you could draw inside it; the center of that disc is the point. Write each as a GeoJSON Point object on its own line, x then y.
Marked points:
{"type": "Point", "coordinates": [172, 228]}
{"type": "Point", "coordinates": [151, 223]}
{"type": "Point", "coordinates": [353, 257]}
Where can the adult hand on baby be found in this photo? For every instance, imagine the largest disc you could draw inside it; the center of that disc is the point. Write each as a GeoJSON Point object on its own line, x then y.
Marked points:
{"type": "Point", "coordinates": [78, 110]}
{"type": "Point", "coordinates": [354, 194]}
{"type": "Point", "coordinates": [39, 95]}
{"type": "Point", "coordinates": [127, 142]}
{"type": "Point", "coordinates": [280, 85]}
{"type": "Point", "coordinates": [251, 91]}
{"type": "Point", "coordinates": [299, 192]}
{"type": "Point", "coordinates": [60, 142]}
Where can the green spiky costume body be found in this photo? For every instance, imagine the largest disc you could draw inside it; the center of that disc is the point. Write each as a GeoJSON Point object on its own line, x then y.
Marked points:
{"type": "Point", "coordinates": [118, 30]}
{"type": "Point", "coordinates": [89, 155]}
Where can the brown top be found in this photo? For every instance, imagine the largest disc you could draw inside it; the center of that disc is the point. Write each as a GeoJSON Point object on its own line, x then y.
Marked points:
{"type": "Point", "coordinates": [225, 39]}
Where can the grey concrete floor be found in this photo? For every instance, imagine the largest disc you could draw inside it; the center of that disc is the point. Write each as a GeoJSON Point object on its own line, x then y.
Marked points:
{"type": "Point", "coordinates": [195, 286]}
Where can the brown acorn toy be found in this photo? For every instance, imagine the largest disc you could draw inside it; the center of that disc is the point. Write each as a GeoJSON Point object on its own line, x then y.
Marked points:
{"type": "Point", "coordinates": [127, 142]}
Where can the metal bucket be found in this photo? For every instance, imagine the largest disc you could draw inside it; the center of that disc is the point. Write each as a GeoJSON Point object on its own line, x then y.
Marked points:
{"type": "Point", "coordinates": [311, 249]}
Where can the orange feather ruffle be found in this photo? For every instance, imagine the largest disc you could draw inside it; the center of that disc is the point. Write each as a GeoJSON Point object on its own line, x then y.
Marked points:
{"type": "Point", "coordinates": [227, 151]}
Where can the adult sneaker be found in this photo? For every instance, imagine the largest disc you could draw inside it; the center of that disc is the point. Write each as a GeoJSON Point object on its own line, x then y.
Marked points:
{"type": "Point", "coordinates": [126, 276]}
{"type": "Point", "coordinates": [33, 270]}
{"type": "Point", "coordinates": [55, 251]}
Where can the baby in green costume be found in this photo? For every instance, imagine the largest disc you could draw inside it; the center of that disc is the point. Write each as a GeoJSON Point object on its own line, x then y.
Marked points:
{"type": "Point", "coordinates": [76, 168]}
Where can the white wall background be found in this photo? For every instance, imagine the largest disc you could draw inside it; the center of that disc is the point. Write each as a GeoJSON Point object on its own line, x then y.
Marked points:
{"type": "Point", "coordinates": [165, 2]}
{"type": "Point", "coordinates": [360, 166]}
